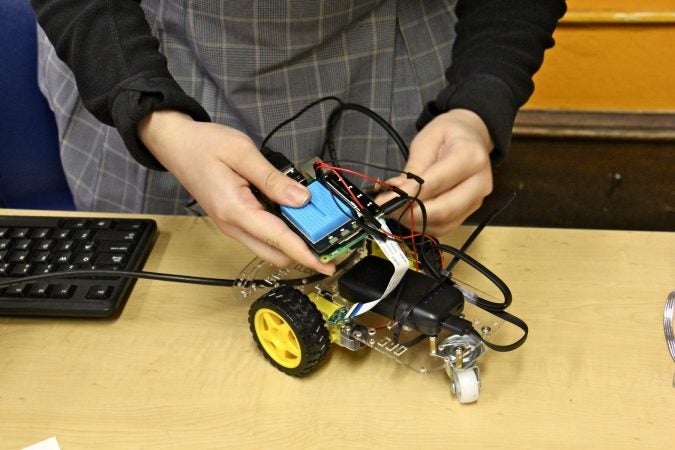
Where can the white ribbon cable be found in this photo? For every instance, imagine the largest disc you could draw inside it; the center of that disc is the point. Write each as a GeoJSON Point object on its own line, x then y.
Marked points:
{"type": "Point", "coordinates": [397, 257]}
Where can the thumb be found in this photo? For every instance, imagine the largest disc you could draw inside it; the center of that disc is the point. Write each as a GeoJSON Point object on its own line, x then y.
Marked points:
{"type": "Point", "coordinates": [283, 190]}
{"type": "Point", "coordinates": [271, 182]}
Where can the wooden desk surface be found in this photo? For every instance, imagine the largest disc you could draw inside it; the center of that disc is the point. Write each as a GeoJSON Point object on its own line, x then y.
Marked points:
{"type": "Point", "coordinates": [179, 369]}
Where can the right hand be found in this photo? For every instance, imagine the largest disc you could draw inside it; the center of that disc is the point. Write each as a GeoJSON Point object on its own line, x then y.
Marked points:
{"type": "Point", "coordinates": [217, 165]}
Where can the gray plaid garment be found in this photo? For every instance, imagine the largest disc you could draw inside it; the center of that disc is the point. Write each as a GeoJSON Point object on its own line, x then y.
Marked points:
{"type": "Point", "coordinates": [253, 64]}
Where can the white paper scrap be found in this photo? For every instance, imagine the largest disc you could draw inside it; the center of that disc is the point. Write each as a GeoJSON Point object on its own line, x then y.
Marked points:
{"type": "Point", "coordinates": [47, 444]}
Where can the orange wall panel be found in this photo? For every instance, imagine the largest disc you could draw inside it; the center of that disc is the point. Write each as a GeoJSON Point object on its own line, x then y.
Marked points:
{"type": "Point", "coordinates": [610, 55]}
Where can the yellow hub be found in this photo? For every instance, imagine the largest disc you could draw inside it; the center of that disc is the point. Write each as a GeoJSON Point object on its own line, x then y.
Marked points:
{"type": "Point", "coordinates": [277, 338]}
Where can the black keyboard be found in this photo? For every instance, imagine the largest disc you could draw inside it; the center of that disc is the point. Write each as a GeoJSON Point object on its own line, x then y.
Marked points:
{"type": "Point", "coordinates": [34, 245]}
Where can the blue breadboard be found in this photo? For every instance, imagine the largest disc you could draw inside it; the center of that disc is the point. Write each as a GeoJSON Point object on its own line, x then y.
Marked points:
{"type": "Point", "coordinates": [323, 214]}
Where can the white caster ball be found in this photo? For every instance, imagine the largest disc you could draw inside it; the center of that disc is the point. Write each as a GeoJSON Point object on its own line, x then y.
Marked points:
{"type": "Point", "coordinates": [465, 385]}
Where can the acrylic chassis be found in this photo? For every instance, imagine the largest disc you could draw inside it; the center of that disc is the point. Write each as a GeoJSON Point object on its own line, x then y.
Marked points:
{"type": "Point", "coordinates": [457, 355]}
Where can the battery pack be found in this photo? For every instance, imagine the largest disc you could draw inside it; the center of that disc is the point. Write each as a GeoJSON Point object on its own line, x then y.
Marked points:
{"type": "Point", "coordinates": [431, 302]}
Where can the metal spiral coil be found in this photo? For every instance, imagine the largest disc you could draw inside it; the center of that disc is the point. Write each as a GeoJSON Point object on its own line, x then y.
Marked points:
{"type": "Point", "coordinates": [668, 326]}
{"type": "Point", "coordinates": [668, 323]}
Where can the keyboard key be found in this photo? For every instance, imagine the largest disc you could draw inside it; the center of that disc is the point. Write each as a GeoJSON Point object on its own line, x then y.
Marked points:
{"type": "Point", "coordinates": [62, 257]}
{"type": "Point", "coordinates": [44, 244]}
{"type": "Point", "coordinates": [20, 256]}
{"type": "Point", "coordinates": [61, 234]}
{"type": "Point", "coordinates": [39, 290]}
{"type": "Point", "coordinates": [63, 290]}
{"type": "Point", "coordinates": [19, 233]}
{"type": "Point", "coordinates": [40, 233]}
{"type": "Point", "coordinates": [110, 258]}
{"type": "Point", "coordinates": [75, 223]}
{"type": "Point", "coordinates": [41, 269]}
{"type": "Point", "coordinates": [107, 267]}
{"type": "Point", "coordinates": [99, 292]}
{"type": "Point", "coordinates": [16, 290]}
{"type": "Point", "coordinates": [102, 224]}
{"type": "Point", "coordinates": [20, 270]}
{"type": "Point", "coordinates": [81, 235]}
{"type": "Point", "coordinates": [40, 257]}
{"type": "Point", "coordinates": [115, 246]}
{"type": "Point", "coordinates": [83, 258]}
{"type": "Point", "coordinates": [129, 226]}
{"type": "Point", "coordinates": [22, 244]}
{"type": "Point", "coordinates": [108, 235]}
{"type": "Point", "coordinates": [86, 246]}
{"type": "Point", "coordinates": [64, 246]}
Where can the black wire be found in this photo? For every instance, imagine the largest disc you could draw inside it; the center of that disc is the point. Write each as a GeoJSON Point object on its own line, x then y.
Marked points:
{"type": "Point", "coordinates": [391, 131]}
{"type": "Point", "coordinates": [487, 305]}
{"type": "Point", "coordinates": [335, 162]}
{"type": "Point", "coordinates": [507, 317]}
{"type": "Point", "coordinates": [487, 273]}
{"type": "Point", "coordinates": [479, 229]}
{"type": "Point", "coordinates": [331, 123]}
{"type": "Point", "coordinates": [426, 264]}
{"type": "Point", "coordinates": [442, 276]}
{"type": "Point", "coordinates": [460, 255]}
{"type": "Point", "coordinates": [414, 341]}
{"type": "Point", "coordinates": [224, 282]}
{"type": "Point", "coordinates": [296, 115]}
{"type": "Point", "coordinates": [328, 144]}
{"type": "Point", "coordinates": [122, 274]}
{"type": "Point", "coordinates": [332, 120]}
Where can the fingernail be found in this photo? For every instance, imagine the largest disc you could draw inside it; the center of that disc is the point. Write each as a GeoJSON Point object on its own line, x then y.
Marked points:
{"type": "Point", "coordinates": [327, 269]}
{"type": "Point", "coordinates": [396, 181]}
{"type": "Point", "coordinates": [296, 195]}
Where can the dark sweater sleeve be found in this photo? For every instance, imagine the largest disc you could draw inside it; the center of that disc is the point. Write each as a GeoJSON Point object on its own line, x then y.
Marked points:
{"type": "Point", "coordinates": [500, 45]}
{"type": "Point", "coordinates": [120, 73]}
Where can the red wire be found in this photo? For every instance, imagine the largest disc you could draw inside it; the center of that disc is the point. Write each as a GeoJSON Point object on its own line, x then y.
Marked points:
{"type": "Point", "coordinates": [342, 180]}
{"type": "Point", "coordinates": [412, 236]}
{"type": "Point", "coordinates": [324, 165]}
{"type": "Point", "coordinates": [414, 247]}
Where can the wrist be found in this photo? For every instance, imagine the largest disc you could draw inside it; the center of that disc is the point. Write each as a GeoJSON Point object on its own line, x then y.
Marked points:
{"type": "Point", "coordinates": [475, 123]}
{"type": "Point", "coordinates": [158, 126]}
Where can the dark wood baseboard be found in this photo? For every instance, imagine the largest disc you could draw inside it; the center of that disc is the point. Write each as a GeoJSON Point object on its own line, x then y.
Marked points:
{"type": "Point", "coordinates": [624, 125]}
{"type": "Point", "coordinates": [602, 171]}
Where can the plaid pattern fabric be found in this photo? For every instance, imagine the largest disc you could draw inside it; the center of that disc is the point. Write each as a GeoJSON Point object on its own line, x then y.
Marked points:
{"type": "Point", "coordinates": [253, 64]}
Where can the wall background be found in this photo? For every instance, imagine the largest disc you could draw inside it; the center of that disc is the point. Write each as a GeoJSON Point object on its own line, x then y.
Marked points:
{"type": "Point", "coordinates": [595, 145]}
{"type": "Point", "coordinates": [611, 55]}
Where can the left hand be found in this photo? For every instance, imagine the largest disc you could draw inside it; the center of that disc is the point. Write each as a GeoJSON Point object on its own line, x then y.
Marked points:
{"type": "Point", "coordinates": [452, 155]}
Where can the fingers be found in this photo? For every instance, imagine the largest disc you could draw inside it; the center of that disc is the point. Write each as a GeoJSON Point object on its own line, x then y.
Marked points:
{"type": "Point", "coordinates": [456, 165]}
{"type": "Point", "coordinates": [451, 155]}
{"type": "Point", "coordinates": [241, 217]}
{"type": "Point", "coordinates": [280, 251]}
{"type": "Point", "coordinates": [267, 235]}
{"type": "Point", "coordinates": [276, 186]}
{"type": "Point", "coordinates": [449, 210]}
{"type": "Point", "coordinates": [219, 172]}
{"type": "Point", "coordinates": [423, 150]}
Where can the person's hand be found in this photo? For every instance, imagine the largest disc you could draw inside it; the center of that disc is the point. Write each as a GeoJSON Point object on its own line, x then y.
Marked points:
{"type": "Point", "coordinates": [217, 165]}
{"type": "Point", "coordinates": [452, 155]}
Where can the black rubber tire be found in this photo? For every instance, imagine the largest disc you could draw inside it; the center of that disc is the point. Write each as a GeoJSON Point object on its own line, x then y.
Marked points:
{"type": "Point", "coordinates": [304, 319]}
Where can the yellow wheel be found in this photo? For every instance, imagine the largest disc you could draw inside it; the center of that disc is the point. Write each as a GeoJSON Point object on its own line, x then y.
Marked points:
{"type": "Point", "coordinates": [277, 338]}
{"type": "Point", "coordinates": [289, 330]}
